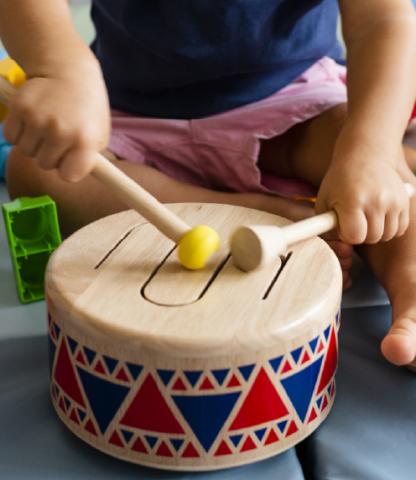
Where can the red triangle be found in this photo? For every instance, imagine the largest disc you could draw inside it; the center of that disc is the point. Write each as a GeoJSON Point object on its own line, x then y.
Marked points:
{"type": "Point", "coordinates": [122, 375]}
{"type": "Point", "coordinates": [286, 367]}
{"type": "Point", "coordinates": [321, 347]}
{"type": "Point", "coordinates": [74, 417]}
{"type": "Point", "coordinates": [62, 405]}
{"type": "Point", "coordinates": [116, 440]}
{"type": "Point", "coordinates": [234, 382]}
{"type": "Point", "coordinates": [80, 358]}
{"type": "Point", "coordinates": [248, 445]}
{"type": "Point", "coordinates": [306, 357]}
{"type": "Point", "coordinates": [163, 450]}
{"type": "Point", "coordinates": [223, 449]}
{"type": "Point", "coordinates": [190, 451]}
{"type": "Point", "coordinates": [324, 404]}
{"type": "Point", "coordinates": [64, 375]}
{"type": "Point", "coordinates": [271, 437]}
{"type": "Point", "coordinates": [149, 410]}
{"type": "Point", "coordinates": [292, 429]}
{"type": "Point", "coordinates": [89, 427]}
{"type": "Point", "coordinates": [139, 446]}
{"type": "Point", "coordinates": [99, 367]}
{"type": "Point", "coordinates": [330, 364]}
{"type": "Point", "coordinates": [262, 404]}
{"type": "Point", "coordinates": [312, 416]}
{"type": "Point", "coordinates": [179, 385]}
{"type": "Point", "coordinates": [206, 384]}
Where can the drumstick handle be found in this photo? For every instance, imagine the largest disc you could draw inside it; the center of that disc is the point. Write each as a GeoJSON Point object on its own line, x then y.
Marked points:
{"type": "Point", "coordinates": [139, 199]}
{"type": "Point", "coordinates": [126, 189]}
{"type": "Point", "coordinates": [319, 224]}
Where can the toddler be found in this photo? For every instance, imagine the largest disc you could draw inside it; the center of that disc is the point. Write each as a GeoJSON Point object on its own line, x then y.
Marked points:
{"type": "Point", "coordinates": [228, 101]}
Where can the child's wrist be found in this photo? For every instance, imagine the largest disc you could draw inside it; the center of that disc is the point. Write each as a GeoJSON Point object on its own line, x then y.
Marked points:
{"type": "Point", "coordinates": [63, 64]}
{"type": "Point", "coordinates": [357, 143]}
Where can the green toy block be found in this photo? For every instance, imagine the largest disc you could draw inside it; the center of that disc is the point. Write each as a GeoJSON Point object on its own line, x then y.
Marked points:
{"type": "Point", "coordinates": [33, 233]}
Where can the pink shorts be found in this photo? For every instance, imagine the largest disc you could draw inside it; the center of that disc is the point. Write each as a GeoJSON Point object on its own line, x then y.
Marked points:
{"type": "Point", "coordinates": [221, 151]}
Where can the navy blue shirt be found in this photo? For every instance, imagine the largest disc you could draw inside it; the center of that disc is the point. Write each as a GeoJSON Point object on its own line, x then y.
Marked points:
{"type": "Point", "coordinates": [194, 58]}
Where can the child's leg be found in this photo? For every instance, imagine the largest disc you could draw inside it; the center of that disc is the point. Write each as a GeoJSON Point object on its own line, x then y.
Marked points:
{"type": "Point", "coordinates": [394, 262]}
{"type": "Point", "coordinates": [83, 202]}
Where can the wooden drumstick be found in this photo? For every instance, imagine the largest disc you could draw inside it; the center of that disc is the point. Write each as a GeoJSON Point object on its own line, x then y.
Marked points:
{"type": "Point", "coordinates": [196, 244]}
{"type": "Point", "coordinates": [254, 246]}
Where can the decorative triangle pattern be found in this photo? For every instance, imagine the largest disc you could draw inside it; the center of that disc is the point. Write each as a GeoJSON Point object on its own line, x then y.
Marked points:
{"type": "Point", "coordinates": [104, 397]}
{"type": "Point", "coordinates": [149, 410]}
{"type": "Point", "coordinates": [330, 364]}
{"type": "Point", "coordinates": [216, 410]}
{"type": "Point", "coordinates": [252, 413]}
{"type": "Point", "coordinates": [300, 387]}
{"type": "Point", "coordinates": [64, 375]}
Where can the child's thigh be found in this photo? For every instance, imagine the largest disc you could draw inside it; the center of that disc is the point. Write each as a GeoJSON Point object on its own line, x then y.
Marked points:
{"type": "Point", "coordinates": [305, 151]}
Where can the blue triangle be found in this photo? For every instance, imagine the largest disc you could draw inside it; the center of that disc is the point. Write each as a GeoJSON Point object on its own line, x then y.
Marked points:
{"type": "Point", "coordinates": [165, 375]}
{"type": "Point", "coordinates": [110, 362]}
{"type": "Point", "coordinates": [326, 332]}
{"type": "Point", "coordinates": [58, 331]}
{"type": "Point", "coordinates": [90, 354]}
{"type": "Point", "coordinates": [296, 354]}
{"type": "Point", "coordinates": [52, 350]}
{"type": "Point", "coordinates": [275, 363]}
{"type": "Point", "coordinates": [176, 442]}
{"type": "Point", "coordinates": [134, 369]}
{"type": "Point", "coordinates": [151, 440]}
{"type": "Point", "coordinates": [260, 433]}
{"type": "Point", "coordinates": [236, 439]}
{"type": "Point", "coordinates": [72, 344]}
{"type": "Point", "coordinates": [282, 425]}
{"type": "Point", "coordinates": [127, 435]}
{"type": "Point", "coordinates": [67, 403]}
{"type": "Point", "coordinates": [104, 397]}
{"type": "Point", "coordinates": [246, 371]}
{"type": "Point", "coordinates": [215, 408]}
{"type": "Point", "coordinates": [300, 387]}
{"type": "Point", "coordinates": [81, 414]}
{"type": "Point", "coordinates": [220, 375]}
{"type": "Point", "coordinates": [193, 376]}
{"type": "Point", "coordinates": [313, 344]}
{"type": "Point", "coordinates": [319, 401]}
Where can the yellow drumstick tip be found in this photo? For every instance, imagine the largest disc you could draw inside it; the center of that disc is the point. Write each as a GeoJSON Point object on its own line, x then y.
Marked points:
{"type": "Point", "coordinates": [196, 247]}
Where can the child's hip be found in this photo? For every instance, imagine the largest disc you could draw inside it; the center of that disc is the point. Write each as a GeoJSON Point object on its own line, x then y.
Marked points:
{"type": "Point", "coordinates": [221, 151]}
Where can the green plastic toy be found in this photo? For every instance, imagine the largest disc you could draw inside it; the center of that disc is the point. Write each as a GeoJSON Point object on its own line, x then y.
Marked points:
{"type": "Point", "coordinates": [33, 232]}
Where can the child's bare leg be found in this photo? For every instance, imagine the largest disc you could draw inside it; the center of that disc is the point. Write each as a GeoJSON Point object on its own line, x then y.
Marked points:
{"type": "Point", "coordinates": [394, 262]}
{"type": "Point", "coordinates": [83, 202]}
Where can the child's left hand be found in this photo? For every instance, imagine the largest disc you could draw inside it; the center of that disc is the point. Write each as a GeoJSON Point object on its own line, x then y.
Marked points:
{"type": "Point", "coordinates": [367, 194]}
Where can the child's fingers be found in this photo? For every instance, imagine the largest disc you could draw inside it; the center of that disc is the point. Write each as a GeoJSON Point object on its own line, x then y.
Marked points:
{"type": "Point", "coordinates": [76, 164]}
{"type": "Point", "coordinates": [352, 225]}
{"type": "Point", "coordinates": [404, 220]}
{"type": "Point", "coordinates": [13, 128]}
{"type": "Point", "coordinates": [50, 154]}
{"type": "Point", "coordinates": [30, 141]}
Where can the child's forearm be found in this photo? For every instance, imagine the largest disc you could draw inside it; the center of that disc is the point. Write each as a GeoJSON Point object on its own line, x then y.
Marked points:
{"type": "Point", "coordinates": [381, 44]}
{"type": "Point", "coordinates": [39, 35]}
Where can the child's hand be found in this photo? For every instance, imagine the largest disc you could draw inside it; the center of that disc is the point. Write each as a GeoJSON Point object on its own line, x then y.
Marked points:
{"type": "Point", "coordinates": [61, 120]}
{"type": "Point", "coordinates": [368, 196]}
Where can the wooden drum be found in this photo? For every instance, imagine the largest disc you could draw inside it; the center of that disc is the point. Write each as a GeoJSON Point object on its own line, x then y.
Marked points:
{"type": "Point", "coordinates": [190, 370]}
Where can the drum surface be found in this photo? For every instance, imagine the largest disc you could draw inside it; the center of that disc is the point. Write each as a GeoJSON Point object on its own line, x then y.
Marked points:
{"type": "Point", "coordinates": [190, 370]}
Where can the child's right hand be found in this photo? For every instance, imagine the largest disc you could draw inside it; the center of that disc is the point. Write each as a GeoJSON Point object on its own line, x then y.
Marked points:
{"type": "Point", "coordinates": [62, 120]}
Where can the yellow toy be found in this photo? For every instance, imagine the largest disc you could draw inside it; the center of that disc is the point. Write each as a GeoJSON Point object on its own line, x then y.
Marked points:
{"type": "Point", "coordinates": [11, 71]}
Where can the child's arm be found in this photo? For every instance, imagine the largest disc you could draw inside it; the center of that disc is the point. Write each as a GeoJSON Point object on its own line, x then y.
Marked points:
{"type": "Point", "coordinates": [362, 184]}
{"type": "Point", "coordinates": [60, 115]}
